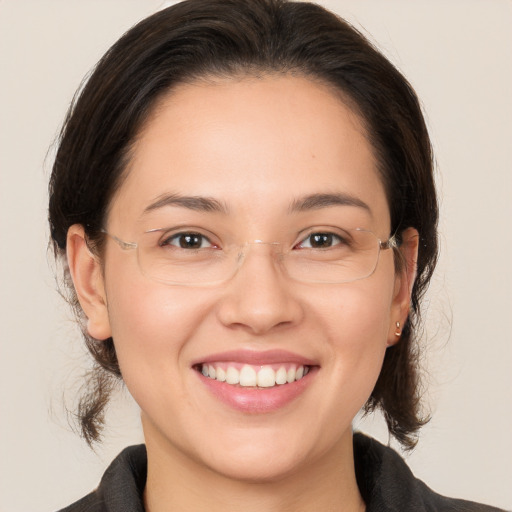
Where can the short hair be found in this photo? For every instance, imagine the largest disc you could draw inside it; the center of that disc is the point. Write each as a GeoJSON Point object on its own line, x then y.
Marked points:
{"type": "Point", "coordinates": [227, 38]}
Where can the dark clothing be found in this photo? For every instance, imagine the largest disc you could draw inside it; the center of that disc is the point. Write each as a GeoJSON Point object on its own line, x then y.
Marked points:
{"type": "Point", "coordinates": [385, 482]}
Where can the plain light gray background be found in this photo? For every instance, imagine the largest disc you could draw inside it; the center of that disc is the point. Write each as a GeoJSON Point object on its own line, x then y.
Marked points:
{"type": "Point", "coordinates": [456, 53]}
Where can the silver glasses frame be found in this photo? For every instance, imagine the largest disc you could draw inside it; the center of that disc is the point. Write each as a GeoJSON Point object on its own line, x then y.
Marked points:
{"type": "Point", "coordinates": [390, 243]}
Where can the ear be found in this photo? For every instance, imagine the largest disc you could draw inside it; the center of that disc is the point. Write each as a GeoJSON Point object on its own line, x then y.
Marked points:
{"type": "Point", "coordinates": [404, 282]}
{"type": "Point", "coordinates": [87, 275]}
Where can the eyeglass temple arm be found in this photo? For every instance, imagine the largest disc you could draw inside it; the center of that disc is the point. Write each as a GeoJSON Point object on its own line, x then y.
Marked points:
{"type": "Point", "coordinates": [390, 243]}
{"type": "Point", "coordinates": [124, 245]}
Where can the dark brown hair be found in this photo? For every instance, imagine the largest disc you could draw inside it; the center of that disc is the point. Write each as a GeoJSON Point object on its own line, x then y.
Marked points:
{"type": "Point", "coordinates": [223, 38]}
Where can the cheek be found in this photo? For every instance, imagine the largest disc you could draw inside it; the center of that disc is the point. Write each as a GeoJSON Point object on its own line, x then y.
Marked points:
{"type": "Point", "coordinates": [356, 314]}
{"type": "Point", "coordinates": [151, 325]}
{"type": "Point", "coordinates": [355, 318]}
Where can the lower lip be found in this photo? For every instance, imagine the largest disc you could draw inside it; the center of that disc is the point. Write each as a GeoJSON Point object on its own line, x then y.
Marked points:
{"type": "Point", "coordinates": [257, 400]}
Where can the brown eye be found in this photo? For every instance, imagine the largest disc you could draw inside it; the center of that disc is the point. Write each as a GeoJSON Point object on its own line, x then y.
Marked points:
{"type": "Point", "coordinates": [188, 241]}
{"type": "Point", "coordinates": [320, 241]}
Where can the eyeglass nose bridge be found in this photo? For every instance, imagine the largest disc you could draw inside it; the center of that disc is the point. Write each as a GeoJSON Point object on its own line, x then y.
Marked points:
{"type": "Point", "coordinates": [262, 242]}
{"type": "Point", "coordinates": [243, 250]}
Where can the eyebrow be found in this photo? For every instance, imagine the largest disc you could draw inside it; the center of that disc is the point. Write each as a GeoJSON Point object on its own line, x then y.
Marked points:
{"type": "Point", "coordinates": [197, 203]}
{"type": "Point", "coordinates": [209, 204]}
{"type": "Point", "coordinates": [318, 201]}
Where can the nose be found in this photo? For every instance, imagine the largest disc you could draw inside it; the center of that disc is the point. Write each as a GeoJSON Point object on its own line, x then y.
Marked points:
{"type": "Point", "coordinates": [259, 298]}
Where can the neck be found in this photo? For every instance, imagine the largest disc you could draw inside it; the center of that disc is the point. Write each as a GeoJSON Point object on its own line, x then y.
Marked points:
{"type": "Point", "coordinates": [177, 482]}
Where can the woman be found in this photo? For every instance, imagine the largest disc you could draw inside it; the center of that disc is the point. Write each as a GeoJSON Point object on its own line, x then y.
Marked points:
{"type": "Point", "coordinates": [244, 194]}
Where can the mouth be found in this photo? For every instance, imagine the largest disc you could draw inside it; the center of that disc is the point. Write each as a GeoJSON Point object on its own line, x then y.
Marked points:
{"type": "Point", "coordinates": [255, 382]}
{"type": "Point", "coordinates": [254, 376]}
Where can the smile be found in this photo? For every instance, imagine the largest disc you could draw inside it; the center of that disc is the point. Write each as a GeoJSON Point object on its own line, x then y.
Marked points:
{"type": "Point", "coordinates": [259, 376]}
{"type": "Point", "coordinates": [254, 382]}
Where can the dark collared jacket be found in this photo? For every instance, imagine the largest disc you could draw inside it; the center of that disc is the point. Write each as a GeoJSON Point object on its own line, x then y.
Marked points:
{"type": "Point", "coordinates": [385, 482]}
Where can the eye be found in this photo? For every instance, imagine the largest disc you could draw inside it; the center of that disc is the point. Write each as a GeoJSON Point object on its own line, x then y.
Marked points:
{"type": "Point", "coordinates": [320, 241]}
{"type": "Point", "coordinates": [188, 241]}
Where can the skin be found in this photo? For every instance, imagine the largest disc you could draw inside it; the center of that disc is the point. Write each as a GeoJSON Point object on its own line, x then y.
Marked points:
{"type": "Point", "coordinates": [256, 146]}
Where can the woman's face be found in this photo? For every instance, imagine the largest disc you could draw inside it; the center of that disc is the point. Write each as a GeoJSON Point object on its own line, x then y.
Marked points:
{"type": "Point", "coordinates": [259, 152]}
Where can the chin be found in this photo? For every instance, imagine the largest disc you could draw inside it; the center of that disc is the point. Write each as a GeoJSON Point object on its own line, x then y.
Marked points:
{"type": "Point", "coordinates": [258, 468]}
{"type": "Point", "coordinates": [270, 454]}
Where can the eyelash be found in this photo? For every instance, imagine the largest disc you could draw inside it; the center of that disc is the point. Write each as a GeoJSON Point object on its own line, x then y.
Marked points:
{"type": "Point", "coordinates": [332, 236]}
{"type": "Point", "coordinates": [167, 241]}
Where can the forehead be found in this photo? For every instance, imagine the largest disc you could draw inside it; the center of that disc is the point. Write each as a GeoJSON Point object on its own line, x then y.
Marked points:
{"type": "Point", "coordinates": [255, 144]}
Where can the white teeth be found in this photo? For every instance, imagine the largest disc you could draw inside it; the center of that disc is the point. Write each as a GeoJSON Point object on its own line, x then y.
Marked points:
{"type": "Point", "coordinates": [281, 375]}
{"type": "Point", "coordinates": [247, 376]}
{"type": "Point", "coordinates": [220, 374]}
{"type": "Point", "coordinates": [251, 376]}
{"type": "Point", "coordinates": [232, 375]}
{"type": "Point", "coordinates": [267, 377]}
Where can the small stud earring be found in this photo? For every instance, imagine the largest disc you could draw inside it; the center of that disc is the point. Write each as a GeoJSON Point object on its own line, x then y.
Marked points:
{"type": "Point", "coordinates": [398, 332]}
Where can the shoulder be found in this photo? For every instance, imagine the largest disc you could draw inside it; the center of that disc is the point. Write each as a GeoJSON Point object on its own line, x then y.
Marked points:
{"type": "Point", "coordinates": [387, 484]}
{"type": "Point", "coordinates": [121, 487]}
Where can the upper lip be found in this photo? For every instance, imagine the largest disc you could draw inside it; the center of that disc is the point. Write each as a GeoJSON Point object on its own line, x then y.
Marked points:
{"type": "Point", "coordinates": [256, 357]}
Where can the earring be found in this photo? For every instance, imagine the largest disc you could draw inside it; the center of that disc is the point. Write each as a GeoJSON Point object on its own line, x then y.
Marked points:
{"type": "Point", "coordinates": [398, 332]}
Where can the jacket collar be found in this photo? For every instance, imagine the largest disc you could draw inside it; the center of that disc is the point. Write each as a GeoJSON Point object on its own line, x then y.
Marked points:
{"type": "Point", "coordinates": [384, 479]}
